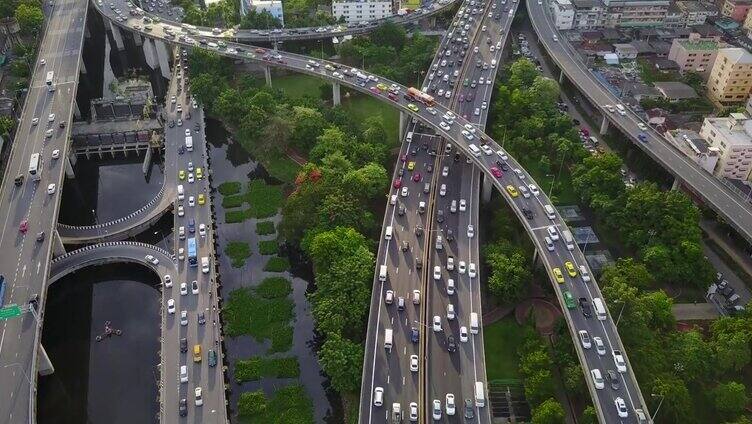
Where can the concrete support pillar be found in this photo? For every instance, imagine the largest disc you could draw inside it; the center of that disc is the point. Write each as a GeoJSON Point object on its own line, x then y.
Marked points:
{"type": "Point", "coordinates": [87, 31]}
{"type": "Point", "coordinates": [150, 53]}
{"type": "Point", "coordinates": [137, 39]}
{"type": "Point", "coordinates": [69, 169]}
{"type": "Point", "coordinates": [676, 184]}
{"type": "Point", "coordinates": [432, 22]}
{"type": "Point", "coordinates": [535, 257]}
{"type": "Point", "coordinates": [163, 54]}
{"type": "Point", "coordinates": [76, 109]}
{"type": "Point", "coordinates": [561, 77]}
{"type": "Point", "coordinates": [45, 366]}
{"type": "Point", "coordinates": [118, 36]}
{"type": "Point", "coordinates": [336, 98]}
{"type": "Point", "coordinates": [604, 125]}
{"type": "Point", "coordinates": [268, 75]}
{"type": "Point", "coordinates": [404, 119]}
{"type": "Point", "coordinates": [275, 45]}
{"type": "Point", "coordinates": [485, 194]}
{"type": "Point", "coordinates": [147, 162]}
{"type": "Point", "coordinates": [58, 248]}
{"type": "Point", "coordinates": [72, 158]}
{"type": "Point", "coordinates": [82, 68]}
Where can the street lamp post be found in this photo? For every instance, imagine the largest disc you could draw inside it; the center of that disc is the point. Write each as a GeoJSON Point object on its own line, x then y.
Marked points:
{"type": "Point", "coordinates": [659, 404]}
{"type": "Point", "coordinates": [623, 304]}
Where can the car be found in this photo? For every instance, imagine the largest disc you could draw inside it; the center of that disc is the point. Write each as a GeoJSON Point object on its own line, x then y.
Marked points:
{"type": "Point", "coordinates": [549, 244]}
{"type": "Point", "coordinates": [404, 192]}
{"type": "Point", "coordinates": [183, 288]}
{"type": "Point", "coordinates": [444, 126]}
{"type": "Point", "coordinates": [585, 307]}
{"type": "Point", "coordinates": [585, 339]}
{"type": "Point", "coordinates": [51, 117]}
{"type": "Point", "coordinates": [190, 177]}
{"type": "Point", "coordinates": [533, 189]}
{"type": "Point", "coordinates": [437, 273]}
{"type": "Point", "coordinates": [378, 396]}
{"type": "Point", "coordinates": [410, 165]}
{"type": "Point", "coordinates": [397, 183]}
{"type": "Point", "coordinates": [413, 411]}
{"type": "Point", "coordinates": [558, 275]}
{"type": "Point", "coordinates": [414, 335]}
{"type": "Point", "coordinates": [450, 263]}
{"type": "Point", "coordinates": [471, 270]}
{"type": "Point", "coordinates": [181, 210]}
{"type": "Point", "coordinates": [463, 205]}
{"type": "Point", "coordinates": [621, 407]}
{"type": "Point", "coordinates": [414, 363]}
{"type": "Point", "coordinates": [436, 323]}
{"type": "Point", "coordinates": [621, 364]}
{"type": "Point", "coordinates": [183, 407]}
{"type": "Point", "coordinates": [56, 154]}
{"type": "Point", "coordinates": [201, 199]}
{"type": "Point", "coordinates": [413, 107]}
{"type": "Point", "coordinates": [184, 318]}
{"type": "Point", "coordinates": [151, 259]}
{"type": "Point", "coordinates": [51, 189]}
{"type": "Point", "coordinates": [519, 173]}
{"type": "Point", "coordinates": [462, 267]}
{"type": "Point", "coordinates": [201, 318]}
{"type": "Point", "coordinates": [389, 297]}
{"type": "Point", "coordinates": [599, 346]}
{"type": "Point", "coordinates": [199, 173]}
{"type": "Point", "coordinates": [171, 306]}
{"type": "Point", "coordinates": [173, 99]}
{"type": "Point", "coordinates": [191, 201]}
{"type": "Point", "coordinates": [496, 172]}
{"type": "Point", "coordinates": [642, 126]}
{"type": "Point", "coordinates": [613, 379]}
{"type": "Point", "coordinates": [595, 374]}
{"type": "Point", "coordinates": [181, 174]}
{"type": "Point", "coordinates": [470, 231]}
{"type": "Point", "coordinates": [197, 394]}
{"type": "Point", "coordinates": [194, 287]}
{"type": "Point", "coordinates": [436, 409]}
{"type": "Point", "coordinates": [571, 270]}
{"type": "Point", "coordinates": [450, 312]}
{"type": "Point", "coordinates": [48, 133]}
{"type": "Point", "coordinates": [512, 191]}
{"type": "Point", "coordinates": [167, 281]}
{"type": "Point", "coordinates": [449, 404]}
{"type": "Point", "coordinates": [569, 299]}
{"type": "Point", "coordinates": [584, 274]}
{"type": "Point", "coordinates": [463, 334]}
{"type": "Point", "coordinates": [469, 409]}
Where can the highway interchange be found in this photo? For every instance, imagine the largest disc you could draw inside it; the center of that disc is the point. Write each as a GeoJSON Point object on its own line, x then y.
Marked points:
{"type": "Point", "coordinates": [713, 192]}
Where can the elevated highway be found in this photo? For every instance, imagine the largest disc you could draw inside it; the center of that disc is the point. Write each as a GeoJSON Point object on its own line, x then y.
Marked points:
{"type": "Point", "coordinates": [532, 211]}
{"type": "Point", "coordinates": [734, 209]}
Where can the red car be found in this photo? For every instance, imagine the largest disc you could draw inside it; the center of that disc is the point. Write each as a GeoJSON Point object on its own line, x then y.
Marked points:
{"type": "Point", "coordinates": [393, 96]}
{"type": "Point", "coordinates": [375, 90]}
{"type": "Point", "coordinates": [585, 132]}
{"type": "Point", "coordinates": [397, 183]}
{"type": "Point", "coordinates": [24, 226]}
{"type": "Point", "coordinates": [417, 177]}
{"type": "Point", "coordinates": [496, 172]}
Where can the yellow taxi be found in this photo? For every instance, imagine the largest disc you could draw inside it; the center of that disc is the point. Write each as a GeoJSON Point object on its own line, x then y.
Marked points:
{"type": "Point", "coordinates": [512, 191]}
{"type": "Point", "coordinates": [413, 107]}
{"type": "Point", "coordinates": [181, 174]}
{"type": "Point", "coordinates": [559, 276]}
{"type": "Point", "coordinates": [201, 199]}
{"type": "Point", "coordinates": [410, 165]}
{"type": "Point", "coordinates": [382, 87]}
{"type": "Point", "coordinates": [571, 270]}
{"type": "Point", "coordinates": [199, 173]}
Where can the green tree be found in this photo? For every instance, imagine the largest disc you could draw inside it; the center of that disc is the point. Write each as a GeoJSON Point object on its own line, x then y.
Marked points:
{"type": "Point", "coordinates": [628, 269]}
{"type": "Point", "coordinates": [545, 91]}
{"type": "Point", "coordinates": [677, 403]}
{"type": "Point", "coordinates": [326, 248]}
{"type": "Point", "coordinates": [510, 273]}
{"type": "Point", "coordinates": [548, 412]}
{"type": "Point", "coordinates": [598, 180]}
{"type": "Point", "coordinates": [226, 105]}
{"type": "Point", "coordinates": [589, 416]}
{"type": "Point", "coordinates": [6, 124]}
{"type": "Point", "coordinates": [522, 74]}
{"type": "Point", "coordinates": [30, 18]}
{"type": "Point", "coordinates": [206, 88]}
{"type": "Point", "coordinates": [730, 398]}
{"type": "Point", "coordinates": [730, 337]}
{"type": "Point", "coordinates": [277, 133]}
{"type": "Point", "coordinates": [692, 355]}
{"type": "Point", "coordinates": [252, 403]}
{"type": "Point", "coordinates": [331, 140]}
{"type": "Point", "coordinates": [391, 35]}
{"type": "Point", "coordinates": [259, 20]}
{"type": "Point", "coordinates": [308, 124]}
{"type": "Point", "coordinates": [366, 183]}
{"type": "Point", "coordinates": [539, 387]}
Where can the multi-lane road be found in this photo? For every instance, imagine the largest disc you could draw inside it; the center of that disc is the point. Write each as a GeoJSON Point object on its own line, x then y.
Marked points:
{"type": "Point", "coordinates": [734, 209]}
{"type": "Point", "coordinates": [29, 213]}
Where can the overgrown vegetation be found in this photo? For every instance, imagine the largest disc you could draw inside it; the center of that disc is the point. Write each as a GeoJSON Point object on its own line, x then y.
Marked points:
{"type": "Point", "coordinates": [238, 251]}
{"type": "Point", "coordinates": [258, 367]}
{"type": "Point", "coordinates": [263, 200]}
{"type": "Point", "coordinates": [264, 316]}
{"type": "Point", "coordinates": [264, 228]}
{"type": "Point", "coordinates": [290, 404]}
{"type": "Point", "coordinates": [268, 247]}
{"type": "Point", "coordinates": [277, 264]}
{"type": "Point", "coordinates": [229, 188]}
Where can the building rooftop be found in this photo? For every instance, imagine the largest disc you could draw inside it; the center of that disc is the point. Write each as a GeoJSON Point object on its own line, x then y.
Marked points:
{"type": "Point", "coordinates": [688, 139]}
{"type": "Point", "coordinates": [737, 55]}
{"type": "Point", "coordinates": [586, 4]}
{"type": "Point", "coordinates": [736, 129]}
{"type": "Point", "coordinates": [691, 6]}
{"type": "Point", "coordinates": [698, 44]}
{"type": "Point", "coordinates": [675, 90]}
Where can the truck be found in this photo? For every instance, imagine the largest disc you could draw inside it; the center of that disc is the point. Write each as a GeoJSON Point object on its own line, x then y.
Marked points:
{"type": "Point", "coordinates": [2, 290]}
{"type": "Point", "coordinates": [568, 239]}
{"type": "Point", "coordinates": [404, 11]}
{"type": "Point", "coordinates": [413, 94]}
{"type": "Point", "coordinates": [189, 143]}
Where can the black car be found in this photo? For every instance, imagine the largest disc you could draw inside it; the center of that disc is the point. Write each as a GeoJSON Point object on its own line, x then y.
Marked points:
{"type": "Point", "coordinates": [183, 408]}
{"type": "Point", "coordinates": [440, 216]}
{"type": "Point", "coordinates": [201, 318]}
{"type": "Point", "coordinates": [451, 345]}
{"type": "Point", "coordinates": [414, 152]}
{"type": "Point", "coordinates": [418, 230]}
{"type": "Point", "coordinates": [414, 335]}
{"type": "Point", "coordinates": [585, 306]}
{"type": "Point", "coordinates": [469, 409]}
{"type": "Point", "coordinates": [172, 123]}
{"type": "Point", "coordinates": [504, 166]}
{"type": "Point", "coordinates": [418, 263]}
{"type": "Point", "coordinates": [40, 236]}
{"type": "Point", "coordinates": [450, 235]}
{"type": "Point", "coordinates": [183, 345]}
{"type": "Point", "coordinates": [34, 301]}
{"type": "Point", "coordinates": [405, 245]}
{"type": "Point", "coordinates": [194, 285]}
{"type": "Point", "coordinates": [613, 379]}
{"type": "Point", "coordinates": [456, 157]}
{"type": "Point", "coordinates": [19, 180]}
{"type": "Point", "coordinates": [429, 168]}
{"type": "Point", "coordinates": [528, 213]}
{"type": "Point", "coordinates": [401, 210]}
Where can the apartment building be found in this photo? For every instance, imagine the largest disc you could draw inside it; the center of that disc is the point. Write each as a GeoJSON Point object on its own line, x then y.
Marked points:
{"type": "Point", "coordinates": [363, 10]}
{"type": "Point", "coordinates": [695, 13]}
{"type": "Point", "coordinates": [563, 12]}
{"type": "Point", "coordinates": [274, 7]}
{"type": "Point", "coordinates": [736, 9]}
{"type": "Point", "coordinates": [696, 53]}
{"type": "Point", "coordinates": [730, 78]}
{"type": "Point", "coordinates": [732, 136]}
{"type": "Point", "coordinates": [591, 14]}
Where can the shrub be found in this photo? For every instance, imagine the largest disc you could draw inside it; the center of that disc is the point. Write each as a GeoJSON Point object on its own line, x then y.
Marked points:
{"type": "Point", "coordinates": [233, 201]}
{"type": "Point", "coordinates": [277, 264]}
{"type": "Point", "coordinates": [234, 216]}
{"type": "Point", "coordinates": [265, 228]}
{"type": "Point", "coordinates": [229, 187]}
{"type": "Point", "coordinates": [274, 288]}
{"type": "Point", "coordinates": [252, 403]}
{"type": "Point", "coordinates": [268, 247]}
{"type": "Point", "coordinates": [257, 367]}
{"type": "Point", "coordinates": [238, 252]}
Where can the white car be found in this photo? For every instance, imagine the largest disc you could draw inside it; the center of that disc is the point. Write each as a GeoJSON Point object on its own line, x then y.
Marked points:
{"type": "Point", "coordinates": [449, 405]}
{"type": "Point", "coordinates": [621, 364]}
{"type": "Point", "coordinates": [181, 254]}
{"type": "Point", "coordinates": [442, 190]}
{"type": "Point", "coordinates": [34, 121]}
{"type": "Point", "coordinates": [471, 270]}
{"type": "Point", "coordinates": [534, 189]}
{"type": "Point", "coordinates": [549, 244]}
{"type": "Point", "coordinates": [181, 211]}
{"type": "Point", "coordinates": [462, 267]}
{"type": "Point", "coordinates": [467, 135]}
{"type": "Point", "coordinates": [621, 407]}
{"type": "Point", "coordinates": [191, 201]}
{"type": "Point", "coordinates": [584, 274]}
{"type": "Point", "coordinates": [597, 378]}
{"type": "Point", "coordinates": [51, 117]}
{"type": "Point", "coordinates": [190, 177]}
{"type": "Point", "coordinates": [413, 411]}
{"type": "Point", "coordinates": [389, 297]}
{"type": "Point", "coordinates": [463, 205]}
{"type": "Point", "coordinates": [450, 286]}
{"type": "Point", "coordinates": [599, 346]}
{"type": "Point", "coordinates": [151, 259]}
{"type": "Point", "coordinates": [51, 189]}
{"type": "Point", "coordinates": [194, 287]}
{"type": "Point", "coordinates": [585, 339]}
{"type": "Point", "coordinates": [519, 173]}
{"type": "Point", "coordinates": [463, 334]}
{"type": "Point", "coordinates": [42, 62]}
{"type": "Point", "coordinates": [436, 409]}
{"type": "Point", "coordinates": [378, 396]}
{"type": "Point", "coordinates": [202, 230]}
{"type": "Point", "coordinates": [445, 171]}
{"type": "Point", "coordinates": [436, 323]}
{"type": "Point", "coordinates": [450, 312]}
{"type": "Point", "coordinates": [431, 110]}
{"type": "Point", "coordinates": [56, 154]}
{"type": "Point", "coordinates": [524, 191]}
{"type": "Point", "coordinates": [642, 126]}
{"type": "Point", "coordinates": [187, 134]}
{"type": "Point", "coordinates": [502, 154]}
{"type": "Point", "coordinates": [450, 264]}
{"type": "Point", "coordinates": [197, 394]}
{"type": "Point", "coordinates": [470, 128]}
{"type": "Point", "coordinates": [183, 318]}
{"type": "Point", "coordinates": [171, 306]}
{"type": "Point", "coordinates": [444, 126]}
{"type": "Point", "coordinates": [404, 192]}
{"type": "Point", "coordinates": [414, 363]}
{"type": "Point", "coordinates": [48, 133]}
{"type": "Point", "coordinates": [437, 272]}
{"type": "Point", "coordinates": [553, 233]}
{"type": "Point", "coordinates": [470, 231]}
{"type": "Point", "coordinates": [173, 99]}
{"type": "Point", "coordinates": [167, 281]}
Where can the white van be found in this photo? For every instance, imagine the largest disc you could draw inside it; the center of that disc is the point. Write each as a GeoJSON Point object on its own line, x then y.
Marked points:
{"type": "Point", "coordinates": [388, 339]}
{"type": "Point", "coordinates": [600, 310]}
{"type": "Point", "coordinates": [205, 264]}
{"type": "Point", "coordinates": [480, 395]}
{"type": "Point", "coordinates": [474, 322]}
{"type": "Point", "coordinates": [550, 212]}
{"type": "Point", "coordinates": [388, 233]}
{"type": "Point", "coordinates": [183, 373]}
{"type": "Point", "coordinates": [382, 273]}
{"type": "Point", "coordinates": [181, 192]}
{"type": "Point", "coordinates": [474, 150]}
{"type": "Point", "coordinates": [568, 239]}
{"type": "Point", "coordinates": [409, 137]}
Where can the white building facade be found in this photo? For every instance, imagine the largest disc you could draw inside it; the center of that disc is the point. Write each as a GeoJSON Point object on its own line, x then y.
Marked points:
{"type": "Point", "coordinates": [563, 12]}
{"type": "Point", "coordinates": [274, 7]}
{"type": "Point", "coordinates": [732, 136]}
{"type": "Point", "coordinates": [359, 11]}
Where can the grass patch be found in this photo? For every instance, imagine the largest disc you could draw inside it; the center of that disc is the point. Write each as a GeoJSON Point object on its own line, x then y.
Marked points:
{"type": "Point", "coordinates": [274, 287]}
{"type": "Point", "coordinates": [257, 367]}
{"type": "Point", "coordinates": [264, 228]}
{"type": "Point", "coordinates": [290, 404]}
{"type": "Point", "coordinates": [233, 201]}
{"type": "Point", "coordinates": [298, 85]}
{"type": "Point", "coordinates": [234, 216]}
{"type": "Point", "coordinates": [268, 247]}
{"type": "Point", "coordinates": [277, 264]}
{"type": "Point", "coordinates": [238, 251]}
{"type": "Point", "coordinates": [247, 312]}
{"type": "Point", "coordinates": [563, 192]}
{"type": "Point", "coordinates": [499, 341]}
{"type": "Point", "coordinates": [282, 168]}
{"type": "Point", "coordinates": [229, 187]}
{"type": "Point", "coordinates": [263, 201]}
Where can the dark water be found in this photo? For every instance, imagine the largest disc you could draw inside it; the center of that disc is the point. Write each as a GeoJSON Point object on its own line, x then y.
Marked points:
{"type": "Point", "coordinates": [112, 381]}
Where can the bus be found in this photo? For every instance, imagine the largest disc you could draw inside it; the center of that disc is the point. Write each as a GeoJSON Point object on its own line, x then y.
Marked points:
{"type": "Point", "coordinates": [34, 169]}
{"type": "Point", "coordinates": [50, 75]}
{"type": "Point", "coordinates": [192, 258]}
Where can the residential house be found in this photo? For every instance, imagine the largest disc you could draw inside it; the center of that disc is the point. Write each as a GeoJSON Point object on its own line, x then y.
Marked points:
{"type": "Point", "coordinates": [696, 53]}
{"type": "Point", "coordinates": [730, 78]}
{"type": "Point", "coordinates": [732, 136]}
